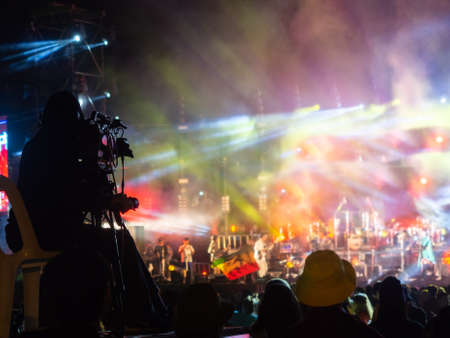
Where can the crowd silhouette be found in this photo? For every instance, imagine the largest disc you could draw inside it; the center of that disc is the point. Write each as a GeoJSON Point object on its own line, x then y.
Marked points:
{"type": "Point", "coordinates": [324, 302]}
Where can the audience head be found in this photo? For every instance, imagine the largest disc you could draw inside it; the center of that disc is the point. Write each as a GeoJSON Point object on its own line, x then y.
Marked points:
{"type": "Point", "coordinates": [199, 313]}
{"type": "Point", "coordinates": [326, 280]}
{"type": "Point", "coordinates": [161, 241]}
{"type": "Point", "coordinates": [441, 299]}
{"type": "Point", "coordinates": [279, 309]}
{"type": "Point", "coordinates": [416, 314]}
{"type": "Point", "coordinates": [62, 109]}
{"type": "Point", "coordinates": [392, 295]}
{"type": "Point", "coordinates": [74, 287]}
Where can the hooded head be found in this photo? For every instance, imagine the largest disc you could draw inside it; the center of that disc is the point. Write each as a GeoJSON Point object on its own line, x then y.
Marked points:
{"type": "Point", "coordinates": [62, 109]}
{"type": "Point", "coordinates": [279, 309]}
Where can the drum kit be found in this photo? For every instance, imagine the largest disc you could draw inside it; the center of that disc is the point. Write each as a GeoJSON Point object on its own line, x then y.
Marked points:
{"type": "Point", "coordinates": [359, 230]}
{"type": "Point", "coordinates": [363, 238]}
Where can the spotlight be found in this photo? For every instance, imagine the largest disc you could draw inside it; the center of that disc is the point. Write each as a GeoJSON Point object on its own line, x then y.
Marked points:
{"type": "Point", "coordinates": [443, 99]}
{"type": "Point", "coordinates": [283, 191]}
{"type": "Point", "coordinates": [201, 193]}
{"type": "Point", "coordinates": [423, 180]}
{"type": "Point", "coordinates": [107, 94]}
{"type": "Point", "coordinates": [77, 38]}
{"type": "Point", "coordinates": [86, 103]}
{"type": "Point", "coordinates": [298, 150]}
{"type": "Point", "coordinates": [105, 42]}
{"type": "Point", "coordinates": [439, 139]}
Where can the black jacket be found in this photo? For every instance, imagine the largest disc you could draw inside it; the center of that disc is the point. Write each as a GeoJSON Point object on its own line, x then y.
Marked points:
{"type": "Point", "coordinates": [57, 185]}
{"type": "Point", "coordinates": [331, 322]}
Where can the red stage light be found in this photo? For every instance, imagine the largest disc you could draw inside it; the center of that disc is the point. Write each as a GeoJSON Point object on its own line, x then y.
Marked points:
{"type": "Point", "coordinates": [204, 273]}
{"type": "Point", "coordinates": [4, 203]}
{"type": "Point", "coordinates": [446, 258]}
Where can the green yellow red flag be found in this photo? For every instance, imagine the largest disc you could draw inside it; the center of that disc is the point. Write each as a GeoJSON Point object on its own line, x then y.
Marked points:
{"type": "Point", "coordinates": [238, 264]}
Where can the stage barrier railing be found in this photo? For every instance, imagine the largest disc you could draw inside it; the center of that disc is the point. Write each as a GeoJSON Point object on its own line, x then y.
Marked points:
{"type": "Point", "coordinates": [232, 242]}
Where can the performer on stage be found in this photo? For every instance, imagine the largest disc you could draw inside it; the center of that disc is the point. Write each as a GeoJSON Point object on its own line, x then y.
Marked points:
{"type": "Point", "coordinates": [163, 254]}
{"type": "Point", "coordinates": [213, 252]}
{"type": "Point", "coordinates": [212, 248]}
{"type": "Point", "coordinates": [187, 252]}
{"type": "Point", "coordinates": [426, 254]}
{"type": "Point", "coordinates": [261, 248]}
{"type": "Point", "coordinates": [148, 257]}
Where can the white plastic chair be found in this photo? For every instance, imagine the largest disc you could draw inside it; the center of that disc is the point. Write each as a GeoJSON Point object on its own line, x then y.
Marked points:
{"type": "Point", "coordinates": [31, 258]}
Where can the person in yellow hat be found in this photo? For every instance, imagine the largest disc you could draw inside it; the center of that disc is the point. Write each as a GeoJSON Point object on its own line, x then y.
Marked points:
{"type": "Point", "coordinates": [325, 284]}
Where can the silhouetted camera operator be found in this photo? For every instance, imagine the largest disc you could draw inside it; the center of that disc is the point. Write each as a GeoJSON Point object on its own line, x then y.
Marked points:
{"type": "Point", "coordinates": [59, 185]}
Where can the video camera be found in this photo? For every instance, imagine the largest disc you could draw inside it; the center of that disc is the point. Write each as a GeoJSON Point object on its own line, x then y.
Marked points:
{"type": "Point", "coordinates": [103, 147]}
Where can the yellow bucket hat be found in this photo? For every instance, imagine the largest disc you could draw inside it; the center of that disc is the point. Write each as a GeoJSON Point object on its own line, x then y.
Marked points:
{"type": "Point", "coordinates": [326, 280]}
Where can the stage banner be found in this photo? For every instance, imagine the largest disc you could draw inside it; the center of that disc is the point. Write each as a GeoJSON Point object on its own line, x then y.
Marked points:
{"type": "Point", "coordinates": [238, 264]}
{"type": "Point", "coordinates": [4, 204]}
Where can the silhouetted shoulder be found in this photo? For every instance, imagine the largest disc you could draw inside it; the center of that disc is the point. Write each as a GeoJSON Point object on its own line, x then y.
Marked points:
{"type": "Point", "coordinates": [394, 328]}
{"type": "Point", "coordinates": [338, 325]}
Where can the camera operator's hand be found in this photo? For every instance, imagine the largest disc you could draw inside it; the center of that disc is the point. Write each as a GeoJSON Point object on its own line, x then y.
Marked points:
{"type": "Point", "coordinates": [123, 203]}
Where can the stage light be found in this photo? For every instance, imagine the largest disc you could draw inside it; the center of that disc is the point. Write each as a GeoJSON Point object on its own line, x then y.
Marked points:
{"type": "Point", "coordinates": [283, 191]}
{"type": "Point", "coordinates": [204, 273]}
{"type": "Point", "coordinates": [280, 238]}
{"type": "Point", "coordinates": [298, 150]}
{"type": "Point", "coordinates": [105, 42]}
{"type": "Point", "coordinates": [77, 38]}
{"type": "Point", "coordinates": [107, 94]}
{"type": "Point", "coordinates": [171, 268]}
{"type": "Point", "coordinates": [86, 103]}
{"type": "Point", "coordinates": [233, 228]}
{"type": "Point", "coordinates": [396, 102]}
{"type": "Point", "coordinates": [439, 139]}
{"type": "Point", "coordinates": [423, 180]}
{"type": "Point", "coordinates": [201, 193]}
{"type": "Point", "coordinates": [443, 99]}
{"type": "Point", "coordinates": [446, 257]}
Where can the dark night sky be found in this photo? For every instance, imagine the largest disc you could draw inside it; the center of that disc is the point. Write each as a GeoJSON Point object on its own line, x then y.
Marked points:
{"type": "Point", "coordinates": [217, 55]}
